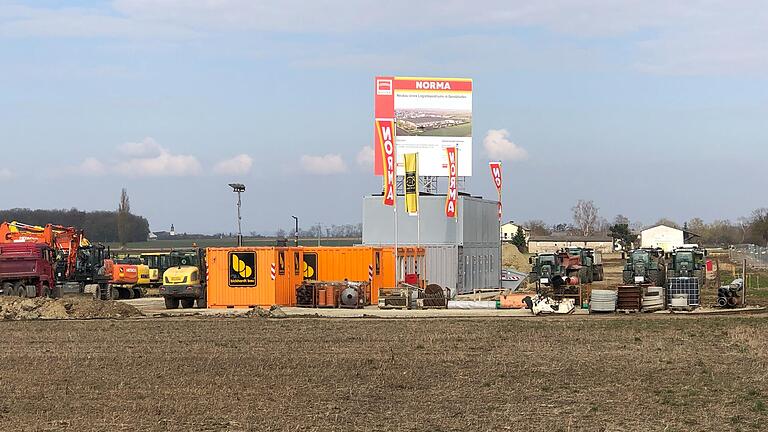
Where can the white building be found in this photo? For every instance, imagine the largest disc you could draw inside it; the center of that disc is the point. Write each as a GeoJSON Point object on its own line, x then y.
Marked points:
{"type": "Point", "coordinates": [665, 237]}
{"type": "Point", "coordinates": [509, 229]}
{"type": "Point", "coordinates": [552, 243]}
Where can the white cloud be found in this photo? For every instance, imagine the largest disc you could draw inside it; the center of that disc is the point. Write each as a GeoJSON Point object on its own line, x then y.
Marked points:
{"type": "Point", "coordinates": [5, 174]}
{"type": "Point", "coordinates": [90, 166]}
{"type": "Point", "coordinates": [498, 146]}
{"type": "Point", "coordinates": [164, 164]}
{"type": "Point", "coordinates": [366, 157]}
{"type": "Point", "coordinates": [237, 165]}
{"type": "Point", "coordinates": [323, 165]}
{"type": "Point", "coordinates": [145, 158]}
{"type": "Point", "coordinates": [146, 148]}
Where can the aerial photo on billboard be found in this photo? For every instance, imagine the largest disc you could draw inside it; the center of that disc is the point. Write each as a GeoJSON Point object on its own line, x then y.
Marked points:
{"type": "Point", "coordinates": [431, 114]}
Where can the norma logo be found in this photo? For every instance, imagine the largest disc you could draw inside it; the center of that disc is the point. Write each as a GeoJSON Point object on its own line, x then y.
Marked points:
{"type": "Point", "coordinates": [242, 269]}
{"type": "Point", "coordinates": [384, 87]}
{"type": "Point", "coordinates": [310, 266]}
{"type": "Point", "coordinates": [432, 85]}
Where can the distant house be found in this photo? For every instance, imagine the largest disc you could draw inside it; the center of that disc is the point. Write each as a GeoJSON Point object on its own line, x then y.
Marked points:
{"type": "Point", "coordinates": [665, 237]}
{"type": "Point", "coordinates": [151, 236]}
{"type": "Point", "coordinates": [509, 229]}
{"type": "Point", "coordinates": [552, 243]}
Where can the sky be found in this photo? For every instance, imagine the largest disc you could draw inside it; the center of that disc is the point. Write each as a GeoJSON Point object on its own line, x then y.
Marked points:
{"type": "Point", "coordinates": [649, 108]}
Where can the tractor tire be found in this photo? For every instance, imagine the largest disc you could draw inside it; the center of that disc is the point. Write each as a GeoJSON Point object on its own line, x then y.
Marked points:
{"type": "Point", "coordinates": [187, 303]}
{"type": "Point", "coordinates": [8, 289]}
{"type": "Point", "coordinates": [171, 303]}
{"type": "Point", "coordinates": [628, 277]}
{"type": "Point", "coordinates": [655, 277]}
{"type": "Point", "coordinates": [202, 303]}
{"type": "Point", "coordinates": [19, 290]}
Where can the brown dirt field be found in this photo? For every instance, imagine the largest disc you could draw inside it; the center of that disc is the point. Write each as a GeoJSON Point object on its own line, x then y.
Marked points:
{"type": "Point", "coordinates": [557, 374]}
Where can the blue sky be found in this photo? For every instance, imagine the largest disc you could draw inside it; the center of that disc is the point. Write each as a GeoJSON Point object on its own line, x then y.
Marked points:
{"type": "Point", "coordinates": [650, 108]}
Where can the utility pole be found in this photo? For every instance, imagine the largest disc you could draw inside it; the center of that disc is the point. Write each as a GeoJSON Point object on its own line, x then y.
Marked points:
{"type": "Point", "coordinates": [238, 188]}
{"type": "Point", "coordinates": [296, 231]}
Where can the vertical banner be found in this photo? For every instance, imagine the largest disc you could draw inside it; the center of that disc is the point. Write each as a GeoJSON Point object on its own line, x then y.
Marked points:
{"type": "Point", "coordinates": [450, 198]}
{"type": "Point", "coordinates": [496, 175]}
{"type": "Point", "coordinates": [412, 183]}
{"type": "Point", "coordinates": [385, 129]}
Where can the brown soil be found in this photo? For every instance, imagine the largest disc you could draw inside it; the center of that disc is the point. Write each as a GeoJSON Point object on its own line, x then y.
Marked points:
{"type": "Point", "coordinates": [511, 257]}
{"type": "Point", "coordinates": [630, 373]}
{"type": "Point", "coordinates": [14, 308]}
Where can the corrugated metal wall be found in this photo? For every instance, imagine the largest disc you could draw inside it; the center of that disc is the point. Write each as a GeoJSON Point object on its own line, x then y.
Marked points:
{"type": "Point", "coordinates": [472, 263]}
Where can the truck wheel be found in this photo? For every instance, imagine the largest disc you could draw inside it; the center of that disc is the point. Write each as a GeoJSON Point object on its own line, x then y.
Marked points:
{"type": "Point", "coordinates": [114, 294]}
{"type": "Point", "coordinates": [202, 303]}
{"type": "Point", "coordinates": [187, 303]}
{"type": "Point", "coordinates": [8, 289]}
{"type": "Point", "coordinates": [19, 290]}
{"type": "Point", "coordinates": [137, 293]}
{"type": "Point", "coordinates": [171, 303]}
{"type": "Point", "coordinates": [129, 293]}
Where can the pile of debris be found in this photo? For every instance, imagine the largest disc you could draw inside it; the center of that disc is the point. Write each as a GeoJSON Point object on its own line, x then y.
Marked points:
{"type": "Point", "coordinates": [274, 312]}
{"type": "Point", "coordinates": [15, 308]}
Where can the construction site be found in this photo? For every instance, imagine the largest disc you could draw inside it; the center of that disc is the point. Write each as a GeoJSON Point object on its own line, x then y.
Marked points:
{"type": "Point", "coordinates": [427, 308]}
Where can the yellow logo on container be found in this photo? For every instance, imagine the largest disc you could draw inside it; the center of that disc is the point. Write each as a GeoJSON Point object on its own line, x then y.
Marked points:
{"type": "Point", "coordinates": [242, 269]}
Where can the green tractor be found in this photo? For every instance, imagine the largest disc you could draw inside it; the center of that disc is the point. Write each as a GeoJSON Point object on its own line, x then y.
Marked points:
{"type": "Point", "coordinates": [687, 261]}
{"type": "Point", "coordinates": [645, 266]}
{"type": "Point", "coordinates": [544, 267]}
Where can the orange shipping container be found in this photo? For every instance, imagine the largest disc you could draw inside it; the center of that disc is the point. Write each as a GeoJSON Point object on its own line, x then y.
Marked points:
{"type": "Point", "coordinates": [256, 276]}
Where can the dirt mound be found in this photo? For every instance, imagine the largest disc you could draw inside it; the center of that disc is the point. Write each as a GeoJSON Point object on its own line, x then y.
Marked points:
{"type": "Point", "coordinates": [14, 308]}
{"type": "Point", "coordinates": [511, 257]}
{"type": "Point", "coordinates": [273, 312]}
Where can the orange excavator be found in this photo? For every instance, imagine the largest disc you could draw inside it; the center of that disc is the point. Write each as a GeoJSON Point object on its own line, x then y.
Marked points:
{"type": "Point", "coordinates": [66, 241]}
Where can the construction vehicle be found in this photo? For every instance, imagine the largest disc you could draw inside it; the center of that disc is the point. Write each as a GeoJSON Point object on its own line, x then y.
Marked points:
{"type": "Point", "coordinates": [687, 261]}
{"type": "Point", "coordinates": [645, 266]}
{"type": "Point", "coordinates": [77, 262]}
{"type": "Point", "coordinates": [583, 263]}
{"type": "Point", "coordinates": [158, 263]}
{"type": "Point", "coordinates": [184, 282]}
{"type": "Point", "coordinates": [545, 267]}
{"type": "Point", "coordinates": [129, 277]}
{"type": "Point", "coordinates": [26, 270]}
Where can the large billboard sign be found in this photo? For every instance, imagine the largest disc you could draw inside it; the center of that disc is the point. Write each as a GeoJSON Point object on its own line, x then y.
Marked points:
{"type": "Point", "coordinates": [431, 114]}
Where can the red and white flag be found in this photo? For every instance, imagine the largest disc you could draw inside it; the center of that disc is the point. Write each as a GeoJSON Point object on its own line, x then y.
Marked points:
{"type": "Point", "coordinates": [450, 199]}
{"type": "Point", "coordinates": [496, 175]}
{"type": "Point", "coordinates": [385, 129]}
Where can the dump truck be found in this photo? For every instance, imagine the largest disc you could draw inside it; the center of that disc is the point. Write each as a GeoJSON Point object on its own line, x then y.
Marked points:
{"type": "Point", "coordinates": [26, 270]}
{"type": "Point", "coordinates": [184, 282]}
{"type": "Point", "coordinates": [687, 261]}
{"type": "Point", "coordinates": [645, 266]}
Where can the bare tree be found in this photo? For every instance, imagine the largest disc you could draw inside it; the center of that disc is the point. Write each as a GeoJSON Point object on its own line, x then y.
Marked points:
{"type": "Point", "coordinates": [123, 212]}
{"type": "Point", "coordinates": [537, 227]}
{"type": "Point", "coordinates": [585, 217]}
{"type": "Point", "coordinates": [668, 222]}
{"type": "Point", "coordinates": [620, 219]}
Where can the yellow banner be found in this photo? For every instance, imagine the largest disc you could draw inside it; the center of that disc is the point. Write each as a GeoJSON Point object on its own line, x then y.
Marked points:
{"type": "Point", "coordinates": [412, 183]}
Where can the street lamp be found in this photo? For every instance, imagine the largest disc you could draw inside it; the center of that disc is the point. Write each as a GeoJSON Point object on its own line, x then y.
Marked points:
{"type": "Point", "coordinates": [296, 231]}
{"type": "Point", "coordinates": [238, 188]}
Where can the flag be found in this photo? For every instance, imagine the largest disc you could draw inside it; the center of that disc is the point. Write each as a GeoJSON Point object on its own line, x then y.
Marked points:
{"type": "Point", "coordinates": [450, 198]}
{"type": "Point", "coordinates": [412, 183]}
{"type": "Point", "coordinates": [385, 128]}
{"type": "Point", "coordinates": [496, 175]}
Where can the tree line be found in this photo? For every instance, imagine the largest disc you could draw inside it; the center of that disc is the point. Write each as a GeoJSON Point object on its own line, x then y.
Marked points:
{"type": "Point", "coordinates": [586, 221]}
{"type": "Point", "coordinates": [99, 226]}
{"type": "Point", "coordinates": [318, 230]}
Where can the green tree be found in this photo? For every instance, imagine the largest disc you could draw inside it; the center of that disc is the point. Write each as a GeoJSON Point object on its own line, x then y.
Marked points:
{"type": "Point", "coordinates": [519, 239]}
{"type": "Point", "coordinates": [622, 234]}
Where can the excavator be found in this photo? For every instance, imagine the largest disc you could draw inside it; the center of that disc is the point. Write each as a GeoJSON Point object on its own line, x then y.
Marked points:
{"type": "Point", "coordinates": [78, 262]}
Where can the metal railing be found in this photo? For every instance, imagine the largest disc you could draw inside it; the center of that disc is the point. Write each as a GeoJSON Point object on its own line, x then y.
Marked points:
{"type": "Point", "coordinates": [756, 256]}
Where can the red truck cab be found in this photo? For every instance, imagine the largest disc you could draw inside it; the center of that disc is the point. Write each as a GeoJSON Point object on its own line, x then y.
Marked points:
{"type": "Point", "coordinates": [27, 270]}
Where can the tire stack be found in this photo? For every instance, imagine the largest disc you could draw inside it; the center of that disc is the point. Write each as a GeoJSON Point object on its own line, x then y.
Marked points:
{"type": "Point", "coordinates": [602, 301]}
{"type": "Point", "coordinates": [653, 300]}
